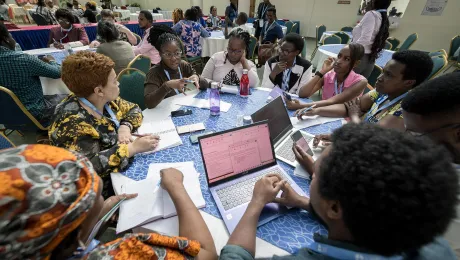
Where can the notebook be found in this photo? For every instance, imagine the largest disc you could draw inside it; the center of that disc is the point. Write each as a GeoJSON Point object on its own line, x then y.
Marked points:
{"type": "Point", "coordinates": [166, 130]}
{"type": "Point", "coordinates": [151, 203]}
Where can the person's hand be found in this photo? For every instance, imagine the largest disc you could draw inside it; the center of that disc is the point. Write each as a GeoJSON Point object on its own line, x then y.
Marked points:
{"type": "Point", "coordinates": [328, 65]}
{"type": "Point", "coordinates": [58, 45]}
{"type": "Point", "coordinates": [124, 135]}
{"type": "Point", "coordinates": [178, 84]}
{"type": "Point", "coordinates": [47, 58]}
{"type": "Point", "coordinates": [290, 198]}
{"type": "Point", "coordinates": [354, 110]}
{"type": "Point", "coordinates": [196, 81]}
{"type": "Point", "coordinates": [325, 140]}
{"type": "Point", "coordinates": [300, 113]}
{"type": "Point", "coordinates": [171, 179]}
{"type": "Point", "coordinates": [279, 67]}
{"type": "Point", "coordinates": [112, 201]}
{"type": "Point", "coordinates": [94, 44]}
{"type": "Point", "coordinates": [294, 104]}
{"type": "Point", "coordinates": [243, 58]}
{"type": "Point", "coordinates": [266, 189]}
{"type": "Point", "coordinates": [304, 159]}
{"type": "Point", "coordinates": [143, 144]}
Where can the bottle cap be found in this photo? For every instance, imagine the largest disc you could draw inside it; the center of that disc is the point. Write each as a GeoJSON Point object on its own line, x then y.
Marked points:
{"type": "Point", "coordinates": [214, 85]}
{"type": "Point", "coordinates": [247, 120]}
{"type": "Point", "coordinates": [245, 71]}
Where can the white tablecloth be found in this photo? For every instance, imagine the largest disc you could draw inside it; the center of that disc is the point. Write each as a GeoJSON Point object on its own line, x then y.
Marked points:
{"type": "Point", "coordinates": [320, 57]}
{"type": "Point", "coordinates": [213, 44]}
{"type": "Point", "coordinates": [133, 9]}
{"type": "Point", "coordinates": [166, 14]}
{"type": "Point", "coordinates": [125, 14]}
{"type": "Point", "coordinates": [135, 16]}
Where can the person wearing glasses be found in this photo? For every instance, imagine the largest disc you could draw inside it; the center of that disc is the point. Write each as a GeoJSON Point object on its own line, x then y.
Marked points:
{"type": "Point", "coordinates": [170, 76]}
{"type": "Point", "coordinates": [432, 110]}
{"type": "Point", "coordinates": [227, 66]}
{"type": "Point", "coordinates": [336, 78]}
{"type": "Point", "coordinates": [67, 32]}
{"type": "Point", "coordinates": [288, 70]}
{"type": "Point", "coordinates": [405, 71]}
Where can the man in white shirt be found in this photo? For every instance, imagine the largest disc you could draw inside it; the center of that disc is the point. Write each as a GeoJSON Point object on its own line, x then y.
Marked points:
{"type": "Point", "coordinates": [433, 109]}
{"type": "Point", "coordinates": [241, 21]}
{"type": "Point", "coordinates": [4, 10]}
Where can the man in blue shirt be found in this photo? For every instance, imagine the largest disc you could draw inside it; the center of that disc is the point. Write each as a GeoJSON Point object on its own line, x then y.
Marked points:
{"type": "Point", "coordinates": [380, 193]}
{"type": "Point", "coordinates": [271, 31]}
{"type": "Point", "coordinates": [20, 72]}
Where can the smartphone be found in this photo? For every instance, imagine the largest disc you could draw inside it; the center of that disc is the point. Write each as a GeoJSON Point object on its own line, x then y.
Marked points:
{"type": "Point", "coordinates": [287, 96]}
{"type": "Point", "coordinates": [194, 138]}
{"type": "Point", "coordinates": [41, 56]}
{"type": "Point", "coordinates": [181, 113]}
{"type": "Point", "coordinates": [299, 140]}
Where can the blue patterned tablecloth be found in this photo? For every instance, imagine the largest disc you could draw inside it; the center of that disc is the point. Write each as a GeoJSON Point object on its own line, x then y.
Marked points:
{"type": "Point", "coordinates": [289, 232]}
{"type": "Point", "coordinates": [381, 61]}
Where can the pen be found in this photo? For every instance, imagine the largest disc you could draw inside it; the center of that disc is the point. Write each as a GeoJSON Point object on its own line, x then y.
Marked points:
{"type": "Point", "coordinates": [307, 109]}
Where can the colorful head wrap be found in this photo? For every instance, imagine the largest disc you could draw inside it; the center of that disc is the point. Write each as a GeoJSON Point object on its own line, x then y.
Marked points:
{"type": "Point", "coordinates": [45, 193]}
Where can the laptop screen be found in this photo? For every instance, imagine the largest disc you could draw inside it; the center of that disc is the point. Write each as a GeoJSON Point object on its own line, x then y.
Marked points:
{"type": "Point", "coordinates": [236, 151]}
{"type": "Point", "coordinates": [277, 117]}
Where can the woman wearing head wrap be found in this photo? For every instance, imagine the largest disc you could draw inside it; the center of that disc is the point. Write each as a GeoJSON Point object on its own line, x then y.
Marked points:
{"type": "Point", "coordinates": [50, 200]}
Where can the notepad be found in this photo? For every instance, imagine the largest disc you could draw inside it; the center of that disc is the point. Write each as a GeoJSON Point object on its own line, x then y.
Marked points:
{"type": "Point", "coordinates": [309, 121]}
{"type": "Point", "coordinates": [167, 132]}
{"type": "Point", "coordinates": [149, 205]}
{"type": "Point", "coordinates": [203, 103]}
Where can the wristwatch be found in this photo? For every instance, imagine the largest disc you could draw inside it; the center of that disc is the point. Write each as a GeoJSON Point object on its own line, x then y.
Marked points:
{"type": "Point", "coordinates": [127, 124]}
{"type": "Point", "coordinates": [319, 74]}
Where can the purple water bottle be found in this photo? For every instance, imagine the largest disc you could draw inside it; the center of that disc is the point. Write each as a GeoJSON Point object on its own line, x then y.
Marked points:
{"type": "Point", "coordinates": [214, 99]}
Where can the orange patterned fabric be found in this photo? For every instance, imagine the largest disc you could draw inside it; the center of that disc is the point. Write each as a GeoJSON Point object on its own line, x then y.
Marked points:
{"type": "Point", "coordinates": [147, 247]}
{"type": "Point", "coordinates": [45, 193]}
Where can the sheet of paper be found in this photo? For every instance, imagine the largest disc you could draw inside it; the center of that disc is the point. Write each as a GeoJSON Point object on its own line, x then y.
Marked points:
{"type": "Point", "coordinates": [190, 128]}
{"type": "Point", "coordinates": [300, 171]}
{"type": "Point", "coordinates": [191, 183]}
{"type": "Point", "coordinates": [164, 109]}
{"type": "Point", "coordinates": [166, 130]}
{"type": "Point", "coordinates": [146, 207]}
{"type": "Point", "coordinates": [309, 121]}
{"type": "Point", "coordinates": [203, 103]}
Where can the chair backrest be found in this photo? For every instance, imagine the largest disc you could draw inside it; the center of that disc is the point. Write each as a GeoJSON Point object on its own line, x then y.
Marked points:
{"type": "Point", "coordinates": [320, 29]}
{"type": "Point", "coordinates": [252, 47]}
{"type": "Point", "coordinates": [388, 45]}
{"type": "Point", "coordinates": [374, 75]}
{"type": "Point", "coordinates": [409, 42]}
{"type": "Point", "coordinates": [438, 53]}
{"type": "Point", "coordinates": [294, 28]}
{"type": "Point", "coordinates": [347, 29]}
{"type": "Point", "coordinates": [394, 43]}
{"type": "Point", "coordinates": [439, 63]}
{"type": "Point", "coordinates": [98, 17]}
{"type": "Point", "coordinates": [289, 25]}
{"type": "Point", "coordinates": [17, 118]}
{"type": "Point", "coordinates": [304, 50]}
{"type": "Point", "coordinates": [139, 39]}
{"type": "Point", "coordinates": [332, 39]}
{"type": "Point", "coordinates": [132, 86]}
{"type": "Point", "coordinates": [141, 62]}
{"type": "Point", "coordinates": [39, 19]}
{"type": "Point", "coordinates": [5, 142]}
{"type": "Point", "coordinates": [454, 45]}
{"type": "Point", "coordinates": [345, 38]}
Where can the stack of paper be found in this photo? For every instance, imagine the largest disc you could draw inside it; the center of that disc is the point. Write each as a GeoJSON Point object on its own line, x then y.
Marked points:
{"type": "Point", "coordinates": [152, 203]}
{"type": "Point", "coordinates": [202, 103]}
{"type": "Point", "coordinates": [166, 130]}
{"type": "Point", "coordinates": [309, 121]}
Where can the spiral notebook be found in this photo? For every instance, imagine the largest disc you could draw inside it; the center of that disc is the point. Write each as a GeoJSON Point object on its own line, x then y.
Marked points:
{"type": "Point", "coordinates": [166, 130]}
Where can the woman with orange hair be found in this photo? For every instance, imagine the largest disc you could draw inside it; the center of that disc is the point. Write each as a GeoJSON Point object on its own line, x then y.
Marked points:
{"type": "Point", "coordinates": [51, 201]}
{"type": "Point", "coordinates": [94, 120]}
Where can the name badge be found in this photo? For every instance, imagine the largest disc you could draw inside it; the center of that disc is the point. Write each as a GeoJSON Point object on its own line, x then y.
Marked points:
{"type": "Point", "coordinates": [261, 23]}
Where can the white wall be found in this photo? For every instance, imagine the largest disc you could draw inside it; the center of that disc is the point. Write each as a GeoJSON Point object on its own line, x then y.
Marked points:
{"type": "Point", "coordinates": [400, 5]}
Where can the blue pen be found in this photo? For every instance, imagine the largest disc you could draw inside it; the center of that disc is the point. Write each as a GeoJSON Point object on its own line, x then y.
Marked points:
{"type": "Point", "coordinates": [307, 109]}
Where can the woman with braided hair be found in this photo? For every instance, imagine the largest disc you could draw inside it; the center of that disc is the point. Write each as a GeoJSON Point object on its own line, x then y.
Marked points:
{"type": "Point", "coordinates": [228, 65]}
{"type": "Point", "coordinates": [170, 76]}
{"type": "Point", "coordinates": [372, 32]}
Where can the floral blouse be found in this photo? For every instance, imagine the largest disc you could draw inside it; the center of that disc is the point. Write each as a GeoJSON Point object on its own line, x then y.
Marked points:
{"type": "Point", "coordinates": [74, 128]}
{"type": "Point", "coordinates": [190, 33]}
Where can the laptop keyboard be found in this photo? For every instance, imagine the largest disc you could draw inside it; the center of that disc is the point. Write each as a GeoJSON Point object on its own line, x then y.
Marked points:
{"type": "Point", "coordinates": [241, 193]}
{"type": "Point", "coordinates": [285, 151]}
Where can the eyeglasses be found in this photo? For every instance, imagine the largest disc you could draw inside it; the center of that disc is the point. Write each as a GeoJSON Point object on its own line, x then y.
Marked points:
{"type": "Point", "coordinates": [285, 52]}
{"type": "Point", "coordinates": [417, 134]}
{"type": "Point", "coordinates": [237, 52]}
{"type": "Point", "coordinates": [169, 55]}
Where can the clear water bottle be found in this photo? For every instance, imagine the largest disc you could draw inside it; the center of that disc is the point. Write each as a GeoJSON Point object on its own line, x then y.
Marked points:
{"type": "Point", "coordinates": [214, 99]}
{"type": "Point", "coordinates": [68, 49]}
{"type": "Point", "coordinates": [244, 84]}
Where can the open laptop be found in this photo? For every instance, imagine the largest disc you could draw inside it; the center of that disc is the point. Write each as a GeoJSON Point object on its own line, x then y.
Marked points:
{"type": "Point", "coordinates": [281, 130]}
{"type": "Point", "coordinates": [234, 160]}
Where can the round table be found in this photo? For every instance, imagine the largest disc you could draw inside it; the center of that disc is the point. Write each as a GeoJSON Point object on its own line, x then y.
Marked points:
{"type": "Point", "coordinates": [213, 44]}
{"type": "Point", "coordinates": [135, 16]}
{"type": "Point", "coordinates": [166, 14]}
{"type": "Point", "coordinates": [331, 50]}
{"type": "Point", "coordinates": [125, 14]}
{"type": "Point", "coordinates": [328, 33]}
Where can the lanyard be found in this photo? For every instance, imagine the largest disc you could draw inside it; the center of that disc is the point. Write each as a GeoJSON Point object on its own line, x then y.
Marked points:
{"type": "Point", "coordinates": [112, 115]}
{"type": "Point", "coordinates": [338, 90]}
{"type": "Point", "coordinates": [341, 253]}
{"type": "Point", "coordinates": [370, 116]}
{"type": "Point", "coordinates": [268, 28]}
{"type": "Point", "coordinates": [287, 76]}
{"type": "Point", "coordinates": [67, 33]}
{"type": "Point", "coordinates": [169, 77]}
{"type": "Point", "coordinates": [264, 10]}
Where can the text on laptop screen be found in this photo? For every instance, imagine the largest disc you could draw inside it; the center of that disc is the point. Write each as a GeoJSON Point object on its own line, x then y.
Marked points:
{"type": "Point", "coordinates": [277, 117]}
{"type": "Point", "coordinates": [234, 152]}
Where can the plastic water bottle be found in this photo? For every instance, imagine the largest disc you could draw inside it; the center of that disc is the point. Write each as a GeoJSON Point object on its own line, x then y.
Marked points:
{"type": "Point", "coordinates": [214, 99]}
{"type": "Point", "coordinates": [68, 49]}
{"type": "Point", "coordinates": [244, 84]}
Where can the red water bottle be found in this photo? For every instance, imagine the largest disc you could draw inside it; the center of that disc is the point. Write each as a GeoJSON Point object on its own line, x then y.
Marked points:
{"type": "Point", "coordinates": [244, 84]}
